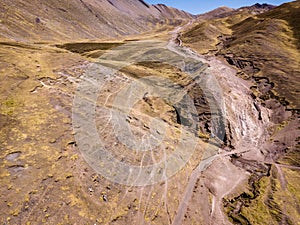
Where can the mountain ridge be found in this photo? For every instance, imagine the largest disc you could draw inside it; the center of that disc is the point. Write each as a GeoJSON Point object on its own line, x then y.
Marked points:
{"type": "Point", "coordinates": [225, 11]}
{"type": "Point", "coordinates": [82, 19]}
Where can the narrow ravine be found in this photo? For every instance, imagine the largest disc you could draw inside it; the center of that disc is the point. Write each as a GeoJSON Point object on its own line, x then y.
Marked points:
{"type": "Point", "coordinates": [247, 121]}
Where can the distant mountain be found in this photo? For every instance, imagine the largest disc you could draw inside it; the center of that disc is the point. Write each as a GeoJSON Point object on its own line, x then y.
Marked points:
{"type": "Point", "coordinates": [216, 13]}
{"type": "Point", "coordinates": [40, 20]}
{"type": "Point", "coordinates": [257, 8]}
{"type": "Point", "coordinates": [224, 11]}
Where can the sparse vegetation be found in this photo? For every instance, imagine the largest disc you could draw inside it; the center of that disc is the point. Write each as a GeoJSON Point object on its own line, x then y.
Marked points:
{"type": "Point", "coordinates": [251, 176]}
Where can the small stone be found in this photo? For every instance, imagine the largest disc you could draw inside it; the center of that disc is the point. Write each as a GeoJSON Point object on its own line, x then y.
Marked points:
{"type": "Point", "coordinates": [104, 197]}
{"type": "Point", "coordinates": [52, 141]}
{"type": "Point", "coordinates": [37, 20]}
{"type": "Point", "coordinates": [13, 156]}
{"type": "Point", "coordinates": [69, 176]}
{"type": "Point", "coordinates": [72, 143]}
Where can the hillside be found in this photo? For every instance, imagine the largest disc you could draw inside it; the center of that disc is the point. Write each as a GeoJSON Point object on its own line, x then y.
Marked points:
{"type": "Point", "coordinates": [210, 26]}
{"type": "Point", "coordinates": [262, 42]}
{"type": "Point", "coordinates": [270, 42]}
{"type": "Point", "coordinates": [121, 112]}
{"type": "Point", "coordinates": [41, 21]}
{"type": "Point", "coordinates": [262, 45]}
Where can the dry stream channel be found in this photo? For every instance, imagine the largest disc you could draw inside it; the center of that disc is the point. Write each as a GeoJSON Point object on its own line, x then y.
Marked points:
{"type": "Point", "coordinates": [156, 113]}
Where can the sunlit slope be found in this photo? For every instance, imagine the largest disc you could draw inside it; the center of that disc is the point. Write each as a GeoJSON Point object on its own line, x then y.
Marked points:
{"type": "Point", "coordinates": [271, 42]}
{"type": "Point", "coordinates": [263, 45]}
{"type": "Point", "coordinates": [81, 19]}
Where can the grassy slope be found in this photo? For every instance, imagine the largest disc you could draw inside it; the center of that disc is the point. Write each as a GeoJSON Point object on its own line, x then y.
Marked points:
{"type": "Point", "coordinates": [203, 37]}
{"type": "Point", "coordinates": [270, 40]}
{"type": "Point", "coordinates": [44, 178]}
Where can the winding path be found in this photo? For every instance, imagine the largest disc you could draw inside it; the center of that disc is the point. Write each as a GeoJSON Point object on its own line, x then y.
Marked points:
{"type": "Point", "coordinates": [249, 130]}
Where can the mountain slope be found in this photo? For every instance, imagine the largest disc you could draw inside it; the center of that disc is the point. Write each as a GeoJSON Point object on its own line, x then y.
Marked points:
{"type": "Point", "coordinates": [44, 176]}
{"type": "Point", "coordinates": [264, 48]}
{"type": "Point", "coordinates": [270, 42]}
{"type": "Point", "coordinates": [267, 41]}
{"type": "Point", "coordinates": [81, 19]}
{"type": "Point", "coordinates": [211, 25]}
{"type": "Point", "coordinates": [216, 13]}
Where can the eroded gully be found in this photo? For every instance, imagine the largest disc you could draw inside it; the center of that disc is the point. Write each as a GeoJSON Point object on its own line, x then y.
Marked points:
{"type": "Point", "coordinates": [247, 123]}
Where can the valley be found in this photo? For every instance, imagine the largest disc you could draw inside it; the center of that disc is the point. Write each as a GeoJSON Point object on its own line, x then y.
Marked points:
{"type": "Point", "coordinates": [179, 123]}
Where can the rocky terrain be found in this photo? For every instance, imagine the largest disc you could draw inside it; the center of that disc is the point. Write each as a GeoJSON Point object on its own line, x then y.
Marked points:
{"type": "Point", "coordinates": [265, 50]}
{"type": "Point", "coordinates": [204, 110]}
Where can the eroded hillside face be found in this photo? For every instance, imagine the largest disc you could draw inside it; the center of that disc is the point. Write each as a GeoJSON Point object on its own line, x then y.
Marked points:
{"type": "Point", "coordinates": [264, 48]}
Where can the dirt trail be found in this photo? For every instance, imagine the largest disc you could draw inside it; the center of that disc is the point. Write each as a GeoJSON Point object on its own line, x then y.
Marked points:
{"type": "Point", "coordinates": [58, 180]}
{"type": "Point", "coordinates": [247, 137]}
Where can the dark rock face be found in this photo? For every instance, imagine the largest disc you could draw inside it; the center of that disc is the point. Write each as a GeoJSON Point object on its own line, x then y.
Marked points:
{"type": "Point", "coordinates": [247, 66]}
{"type": "Point", "coordinates": [258, 6]}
